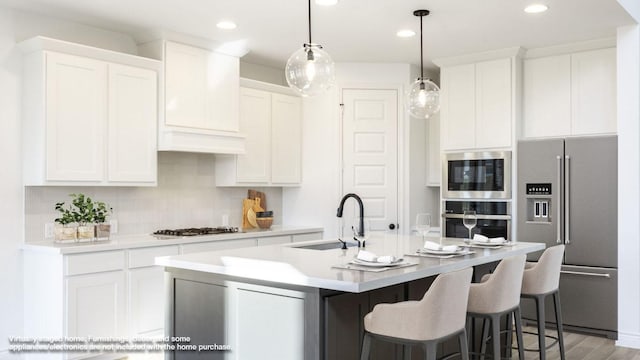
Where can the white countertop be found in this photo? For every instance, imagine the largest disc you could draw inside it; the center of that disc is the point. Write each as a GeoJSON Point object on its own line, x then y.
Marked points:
{"type": "Point", "coordinates": [147, 240]}
{"type": "Point", "coordinates": [286, 264]}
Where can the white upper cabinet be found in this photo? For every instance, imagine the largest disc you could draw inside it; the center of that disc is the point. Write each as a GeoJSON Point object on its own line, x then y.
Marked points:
{"type": "Point", "coordinates": [571, 94]}
{"type": "Point", "coordinates": [493, 104]}
{"type": "Point", "coordinates": [132, 124]}
{"type": "Point", "coordinates": [201, 99]}
{"type": "Point", "coordinates": [458, 107]}
{"type": "Point", "coordinates": [76, 114]}
{"type": "Point", "coordinates": [434, 164]}
{"type": "Point", "coordinates": [255, 120]}
{"type": "Point", "coordinates": [547, 96]}
{"type": "Point", "coordinates": [286, 139]}
{"type": "Point", "coordinates": [272, 124]}
{"type": "Point", "coordinates": [477, 104]}
{"type": "Point", "coordinates": [593, 92]}
{"type": "Point", "coordinates": [90, 116]}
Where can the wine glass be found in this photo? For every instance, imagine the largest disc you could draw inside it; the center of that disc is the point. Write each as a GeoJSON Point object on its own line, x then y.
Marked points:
{"type": "Point", "coordinates": [423, 224]}
{"type": "Point", "coordinates": [366, 230]}
{"type": "Point", "coordinates": [469, 220]}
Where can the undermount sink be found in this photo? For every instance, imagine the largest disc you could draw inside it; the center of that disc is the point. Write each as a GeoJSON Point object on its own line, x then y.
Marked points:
{"type": "Point", "coordinates": [326, 246]}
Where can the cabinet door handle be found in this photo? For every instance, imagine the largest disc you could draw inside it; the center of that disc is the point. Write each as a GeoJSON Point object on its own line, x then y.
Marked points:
{"type": "Point", "coordinates": [585, 274]}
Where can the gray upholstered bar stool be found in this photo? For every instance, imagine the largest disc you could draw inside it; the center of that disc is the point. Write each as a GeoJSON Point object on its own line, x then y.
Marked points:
{"type": "Point", "coordinates": [440, 315]}
{"type": "Point", "coordinates": [495, 296]}
{"type": "Point", "coordinates": [540, 280]}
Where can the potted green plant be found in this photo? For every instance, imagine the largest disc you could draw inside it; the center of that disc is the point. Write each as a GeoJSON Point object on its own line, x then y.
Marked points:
{"type": "Point", "coordinates": [100, 213]}
{"type": "Point", "coordinates": [65, 229]}
{"type": "Point", "coordinates": [83, 210]}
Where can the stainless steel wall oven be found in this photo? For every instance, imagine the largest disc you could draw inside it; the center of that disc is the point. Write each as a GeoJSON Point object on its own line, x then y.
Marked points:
{"type": "Point", "coordinates": [494, 218]}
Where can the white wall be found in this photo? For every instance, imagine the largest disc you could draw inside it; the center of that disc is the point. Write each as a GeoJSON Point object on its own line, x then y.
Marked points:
{"type": "Point", "coordinates": [315, 202]}
{"type": "Point", "coordinates": [10, 184]}
{"type": "Point", "coordinates": [628, 82]}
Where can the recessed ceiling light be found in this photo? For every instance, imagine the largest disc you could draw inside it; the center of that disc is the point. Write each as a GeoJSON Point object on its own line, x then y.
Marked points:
{"type": "Point", "coordinates": [226, 25]}
{"type": "Point", "coordinates": [405, 33]}
{"type": "Point", "coordinates": [326, 2]}
{"type": "Point", "coordinates": [536, 8]}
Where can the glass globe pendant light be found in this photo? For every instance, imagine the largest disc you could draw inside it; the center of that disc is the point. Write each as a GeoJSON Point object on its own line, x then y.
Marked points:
{"type": "Point", "coordinates": [423, 97]}
{"type": "Point", "coordinates": [310, 70]}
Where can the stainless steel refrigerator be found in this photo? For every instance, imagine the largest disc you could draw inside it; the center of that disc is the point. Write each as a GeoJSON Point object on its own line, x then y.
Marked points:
{"type": "Point", "coordinates": [567, 194]}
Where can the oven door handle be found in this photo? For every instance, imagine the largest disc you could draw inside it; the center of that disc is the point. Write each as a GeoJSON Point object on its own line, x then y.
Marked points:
{"type": "Point", "coordinates": [479, 217]}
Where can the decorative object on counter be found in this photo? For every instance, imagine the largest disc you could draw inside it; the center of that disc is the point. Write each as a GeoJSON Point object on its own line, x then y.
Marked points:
{"type": "Point", "coordinates": [84, 220]}
{"type": "Point", "coordinates": [252, 206]}
{"type": "Point", "coordinates": [423, 97]}
{"type": "Point", "coordinates": [264, 219]}
{"type": "Point", "coordinates": [310, 70]}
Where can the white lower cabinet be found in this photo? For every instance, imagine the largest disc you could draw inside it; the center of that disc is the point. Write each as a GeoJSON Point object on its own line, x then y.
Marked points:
{"type": "Point", "coordinates": [118, 293]}
{"type": "Point", "coordinates": [145, 292]}
{"type": "Point", "coordinates": [96, 304]}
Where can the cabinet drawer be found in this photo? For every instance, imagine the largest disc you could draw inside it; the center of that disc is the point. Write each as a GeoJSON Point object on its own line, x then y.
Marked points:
{"type": "Point", "coordinates": [94, 262]}
{"type": "Point", "coordinates": [145, 257]}
{"type": "Point", "coordinates": [218, 245]}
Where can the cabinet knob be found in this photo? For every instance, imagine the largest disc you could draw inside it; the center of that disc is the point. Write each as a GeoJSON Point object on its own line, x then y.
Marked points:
{"type": "Point", "coordinates": [392, 226]}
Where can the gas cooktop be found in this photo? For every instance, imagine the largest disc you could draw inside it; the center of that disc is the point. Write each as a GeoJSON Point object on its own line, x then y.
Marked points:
{"type": "Point", "coordinates": [196, 231]}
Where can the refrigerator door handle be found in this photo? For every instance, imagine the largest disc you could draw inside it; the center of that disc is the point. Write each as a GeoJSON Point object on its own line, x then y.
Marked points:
{"type": "Point", "coordinates": [559, 222]}
{"type": "Point", "coordinates": [567, 207]}
{"type": "Point", "coordinates": [584, 273]}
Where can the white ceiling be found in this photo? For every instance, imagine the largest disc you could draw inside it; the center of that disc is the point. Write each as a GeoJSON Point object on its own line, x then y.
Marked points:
{"type": "Point", "coordinates": [353, 30]}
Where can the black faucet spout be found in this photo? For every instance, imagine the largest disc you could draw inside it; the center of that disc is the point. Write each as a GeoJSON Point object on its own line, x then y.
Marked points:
{"type": "Point", "coordinates": [360, 207]}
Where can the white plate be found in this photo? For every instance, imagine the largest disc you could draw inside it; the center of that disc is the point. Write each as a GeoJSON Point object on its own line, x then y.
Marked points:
{"type": "Point", "coordinates": [441, 252]}
{"type": "Point", "coordinates": [377, 264]}
{"type": "Point", "coordinates": [484, 243]}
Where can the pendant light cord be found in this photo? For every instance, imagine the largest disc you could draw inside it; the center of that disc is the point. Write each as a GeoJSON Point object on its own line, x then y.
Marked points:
{"type": "Point", "coordinates": [309, 22]}
{"type": "Point", "coordinates": [421, 51]}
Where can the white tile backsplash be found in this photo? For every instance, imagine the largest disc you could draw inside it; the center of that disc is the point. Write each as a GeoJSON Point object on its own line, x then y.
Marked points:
{"type": "Point", "coordinates": [186, 196]}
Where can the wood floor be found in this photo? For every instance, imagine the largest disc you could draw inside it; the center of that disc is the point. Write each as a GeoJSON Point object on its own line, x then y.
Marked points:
{"type": "Point", "coordinates": [579, 347]}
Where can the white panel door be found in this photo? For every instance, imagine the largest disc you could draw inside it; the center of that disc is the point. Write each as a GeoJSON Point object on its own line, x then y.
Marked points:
{"type": "Point", "coordinates": [132, 144]}
{"type": "Point", "coordinates": [593, 92]}
{"type": "Point", "coordinates": [255, 123]}
{"type": "Point", "coordinates": [370, 155]}
{"type": "Point", "coordinates": [76, 94]}
{"type": "Point", "coordinates": [458, 107]}
{"type": "Point", "coordinates": [186, 86]}
{"type": "Point", "coordinates": [434, 163]}
{"type": "Point", "coordinates": [547, 96]}
{"type": "Point", "coordinates": [286, 139]}
{"type": "Point", "coordinates": [493, 104]}
{"type": "Point", "coordinates": [96, 304]}
{"type": "Point", "coordinates": [146, 301]}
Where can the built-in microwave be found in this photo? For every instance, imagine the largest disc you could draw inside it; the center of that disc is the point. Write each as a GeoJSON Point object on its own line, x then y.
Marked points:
{"type": "Point", "coordinates": [477, 175]}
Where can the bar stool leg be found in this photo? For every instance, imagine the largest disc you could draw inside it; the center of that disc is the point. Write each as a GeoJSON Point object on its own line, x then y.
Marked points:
{"type": "Point", "coordinates": [430, 350]}
{"type": "Point", "coordinates": [509, 339]}
{"type": "Point", "coordinates": [366, 347]}
{"type": "Point", "coordinates": [495, 334]}
{"type": "Point", "coordinates": [407, 352]}
{"type": "Point", "coordinates": [556, 304]}
{"type": "Point", "coordinates": [483, 339]}
{"type": "Point", "coordinates": [541, 325]}
{"type": "Point", "coordinates": [462, 341]}
{"type": "Point", "coordinates": [518, 320]}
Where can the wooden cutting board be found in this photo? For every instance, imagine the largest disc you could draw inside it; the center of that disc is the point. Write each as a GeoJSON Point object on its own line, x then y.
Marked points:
{"type": "Point", "coordinates": [252, 194]}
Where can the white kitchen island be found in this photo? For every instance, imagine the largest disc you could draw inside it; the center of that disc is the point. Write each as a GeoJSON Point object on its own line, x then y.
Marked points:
{"type": "Point", "coordinates": [288, 302]}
